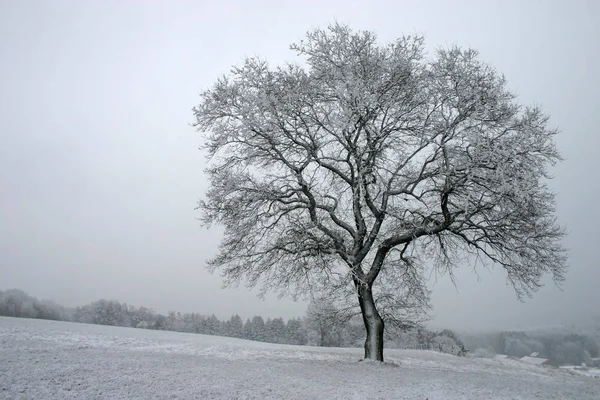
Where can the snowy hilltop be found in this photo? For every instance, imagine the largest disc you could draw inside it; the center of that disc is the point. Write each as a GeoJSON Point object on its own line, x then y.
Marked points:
{"type": "Point", "coordinates": [60, 360]}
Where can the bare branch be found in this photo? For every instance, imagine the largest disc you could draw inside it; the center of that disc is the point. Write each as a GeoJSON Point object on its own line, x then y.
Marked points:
{"type": "Point", "coordinates": [336, 172]}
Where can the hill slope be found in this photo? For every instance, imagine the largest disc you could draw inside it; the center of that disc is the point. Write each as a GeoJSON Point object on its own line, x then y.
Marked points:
{"type": "Point", "coordinates": [59, 360]}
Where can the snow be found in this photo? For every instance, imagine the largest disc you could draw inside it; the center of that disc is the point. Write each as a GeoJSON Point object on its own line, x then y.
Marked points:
{"type": "Point", "coordinates": [592, 372]}
{"type": "Point", "coordinates": [533, 360]}
{"type": "Point", "coordinates": [59, 360]}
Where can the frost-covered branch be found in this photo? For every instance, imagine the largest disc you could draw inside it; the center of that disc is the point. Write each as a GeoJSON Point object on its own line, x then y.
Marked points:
{"type": "Point", "coordinates": [320, 173]}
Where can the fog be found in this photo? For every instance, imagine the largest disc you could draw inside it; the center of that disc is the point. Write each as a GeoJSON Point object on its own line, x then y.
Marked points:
{"type": "Point", "coordinates": [100, 169]}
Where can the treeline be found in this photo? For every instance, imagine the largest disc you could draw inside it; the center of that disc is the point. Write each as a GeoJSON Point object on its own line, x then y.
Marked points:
{"type": "Point", "coordinates": [17, 303]}
{"type": "Point", "coordinates": [561, 348]}
{"type": "Point", "coordinates": [322, 325]}
{"type": "Point", "coordinates": [446, 340]}
{"type": "Point", "coordinates": [114, 313]}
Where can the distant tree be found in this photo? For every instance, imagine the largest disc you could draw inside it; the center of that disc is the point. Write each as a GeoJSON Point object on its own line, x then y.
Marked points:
{"type": "Point", "coordinates": [258, 328]}
{"type": "Point", "coordinates": [268, 330]}
{"type": "Point", "coordinates": [47, 309]}
{"type": "Point", "coordinates": [84, 315]}
{"type": "Point", "coordinates": [213, 325]}
{"type": "Point", "coordinates": [354, 332]}
{"type": "Point", "coordinates": [453, 336]}
{"type": "Point", "coordinates": [276, 330]}
{"type": "Point", "coordinates": [324, 324]}
{"type": "Point", "coordinates": [105, 312]}
{"type": "Point", "coordinates": [190, 321]}
{"type": "Point", "coordinates": [143, 317]}
{"type": "Point", "coordinates": [483, 352]}
{"type": "Point", "coordinates": [585, 342]}
{"type": "Point", "coordinates": [517, 348]}
{"type": "Point", "coordinates": [403, 339]}
{"type": "Point", "coordinates": [225, 328]}
{"type": "Point", "coordinates": [175, 322]}
{"type": "Point", "coordinates": [427, 339]}
{"type": "Point", "coordinates": [571, 353]}
{"type": "Point", "coordinates": [160, 323]}
{"type": "Point", "coordinates": [535, 346]}
{"type": "Point", "coordinates": [444, 344]}
{"type": "Point", "coordinates": [355, 169]}
{"type": "Point", "coordinates": [295, 332]}
{"type": "Point", "coordinates": [248, 331]}
{"type": "Point", "coordinates": [133, 316]}
{"type": "Point", "coordinates": [236, 326]}
{"type": "Point", "coordinates": [445, 341]}
{"type": "Point", "coordinates": [17, 303]}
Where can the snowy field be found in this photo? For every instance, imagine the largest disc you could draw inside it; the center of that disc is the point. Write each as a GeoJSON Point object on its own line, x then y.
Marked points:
{"type": "Point", "coordinates": [59, 360]}
{"type": "Point", "coordinates": [592, 372]}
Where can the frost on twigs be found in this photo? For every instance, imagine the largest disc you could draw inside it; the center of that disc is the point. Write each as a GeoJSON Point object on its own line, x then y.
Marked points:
{"type": "Point", "coordinates": [367, 161]}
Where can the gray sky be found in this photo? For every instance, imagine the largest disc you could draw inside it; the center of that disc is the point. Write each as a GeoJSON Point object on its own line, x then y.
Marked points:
{"type": "Point", "coordinates": [100, 172]}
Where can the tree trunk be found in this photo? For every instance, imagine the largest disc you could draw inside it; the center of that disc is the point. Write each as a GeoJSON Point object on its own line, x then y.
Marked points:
{"type": "Point", "coordinates": [373, 324]}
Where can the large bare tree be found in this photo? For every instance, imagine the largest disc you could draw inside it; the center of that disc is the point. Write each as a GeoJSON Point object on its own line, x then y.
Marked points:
{"type": "Point", "coordinates": [365, 162]}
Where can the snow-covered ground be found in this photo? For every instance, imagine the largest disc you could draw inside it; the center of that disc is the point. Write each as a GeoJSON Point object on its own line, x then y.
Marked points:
{"type": "Point", "coordinates": [592, 372]}
{"type": "Point", "coordinates": [57, 360]}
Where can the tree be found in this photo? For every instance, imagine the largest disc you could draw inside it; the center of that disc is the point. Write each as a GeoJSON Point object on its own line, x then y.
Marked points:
{"type": "Point", "coordinates": [248, 330]}
{"type": "Point", "coordinates": [276, 331]}
{"type": "Point", "coordinates": [236, 326]}
{"type": "Point", "coordinates": [295, 332]}
{"type": "Point", "coordinates": [213, 326]}
{"type": "Point", "coordinates": [324, 323]}
{"type": "Point", "coordinates": [368, 162]}
{"type": "Point", "coordinates": [17, 303]}
{"type": "Point", "coordinates": [143, 317]}
{"type": "Point", "coordinates": [258, 328]}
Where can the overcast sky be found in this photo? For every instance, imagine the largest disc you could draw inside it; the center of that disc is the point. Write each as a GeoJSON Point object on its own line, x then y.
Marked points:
{"type": "Point", "coordinates": [100, 171]}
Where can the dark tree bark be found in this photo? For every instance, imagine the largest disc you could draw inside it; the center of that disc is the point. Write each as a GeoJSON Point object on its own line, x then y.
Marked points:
{"type": "Point", "coordinates": [374, 324]}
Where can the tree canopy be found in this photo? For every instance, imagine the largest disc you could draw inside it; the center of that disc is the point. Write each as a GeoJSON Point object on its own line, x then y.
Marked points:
{"type": "Point", "coordinates": [357, 167]}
